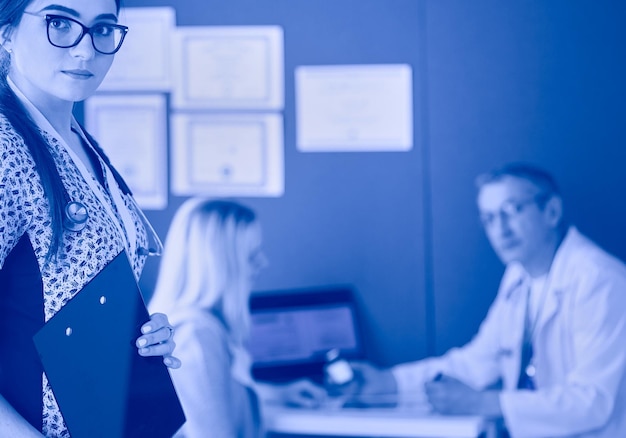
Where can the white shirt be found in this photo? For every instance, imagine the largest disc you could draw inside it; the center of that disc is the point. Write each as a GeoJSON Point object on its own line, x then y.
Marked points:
{"type": "Point", "coordinates": [579, 349]}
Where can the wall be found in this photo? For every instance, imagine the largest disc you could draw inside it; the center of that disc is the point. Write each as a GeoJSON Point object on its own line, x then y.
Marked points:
{"type": "Point", "coordinates": [493, 82]}
{"type": "Point", "coordinates": [539, 81]}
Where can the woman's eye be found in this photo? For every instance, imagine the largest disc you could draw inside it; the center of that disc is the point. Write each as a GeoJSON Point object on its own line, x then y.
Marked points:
{"type": "Point", "coordinates": [60, 24]}
{"type": "Point", "coordinates": [103, 30]}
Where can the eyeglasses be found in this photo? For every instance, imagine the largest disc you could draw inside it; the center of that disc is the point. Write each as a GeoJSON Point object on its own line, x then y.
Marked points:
{"type": "Point", "coordinates": [509, 209]}
{"type": "Point", "coordinates": [65, 32]}
{"type": "Point", "coordinates": [257, 259]}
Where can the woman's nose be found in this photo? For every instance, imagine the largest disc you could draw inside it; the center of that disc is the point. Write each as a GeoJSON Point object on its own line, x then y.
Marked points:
{"type": "Point", "coordinates": [84, 48]}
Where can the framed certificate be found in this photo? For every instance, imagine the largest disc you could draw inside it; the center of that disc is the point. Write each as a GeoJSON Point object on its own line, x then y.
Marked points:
{"type": "Point", "coordinates": [349, 108]}
{"type": "Point", "coordinates": [228, 67]}
{"type": "Point", "coordinates": [143, 62]}
{"type": "Point", "coordinates": [132, 130]}
{"type": "Point", "coordinates": [227, 154]}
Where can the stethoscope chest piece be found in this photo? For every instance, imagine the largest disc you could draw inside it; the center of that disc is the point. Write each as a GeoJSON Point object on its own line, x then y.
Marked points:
{"type": "Point", "coordinates": [76, 216]}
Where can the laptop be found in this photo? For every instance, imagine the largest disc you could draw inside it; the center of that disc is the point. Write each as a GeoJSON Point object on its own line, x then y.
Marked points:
{"type": "Point", "coordinates": [292, 330]}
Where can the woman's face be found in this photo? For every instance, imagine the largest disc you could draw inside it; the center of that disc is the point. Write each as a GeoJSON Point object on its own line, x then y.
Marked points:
{"type": "Point", "coordinates": [256, 259]}
{"type": "Point", "coordinates": [45, 73]}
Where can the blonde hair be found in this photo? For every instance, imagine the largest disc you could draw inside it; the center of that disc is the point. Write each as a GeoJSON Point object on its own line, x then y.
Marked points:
{"type": "Point", "coordinates": [204, 260]}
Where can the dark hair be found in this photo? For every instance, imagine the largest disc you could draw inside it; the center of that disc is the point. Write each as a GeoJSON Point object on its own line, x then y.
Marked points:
{"type": "Point", "coordinates": [11, 12]}
{"type": "Point", "coordinates": [529, 172]}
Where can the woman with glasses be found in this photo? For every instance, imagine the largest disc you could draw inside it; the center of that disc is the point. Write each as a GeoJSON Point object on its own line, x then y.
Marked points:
{"type": "Point", "coordinates": [65, 213]}
{"type": "Point", "coordinates": [212, 256]}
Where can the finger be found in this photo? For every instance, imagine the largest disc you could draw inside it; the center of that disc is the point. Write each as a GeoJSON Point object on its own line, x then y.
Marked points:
{"type": "Point", "coordinates": [441, 404]}
{"type": "Point", "coordinates": [171, 361]}
{"type": "Point", "coordinates": [312, 388]}
{"type": "Point", "coordinates": [318, 393]}
{"type": "Point", "coordinates": [447, 379]}
{"type": "Point", "coordinates": [431, 386]}
{"type": "Point", "coordinates": [162, 349]}
{"type": "Point", "coordinates": [163, 334]}
{"type": "Point", "coordinates": [437, 401]}
{"type": "Point", "coordinates": [314, 394]}
{"type": "Point", "coordinates": [435, 392]}
{"type": "Point", "coordinates": [306, 401]}
{"type": "Point", "coordinates": [157, 321]}
{"type": "Point", "coordinates": [441, 384]}
{"type": "Point", "coordinates": [299, 399]}
{"type": "Point", "coordinates": [434, 397]}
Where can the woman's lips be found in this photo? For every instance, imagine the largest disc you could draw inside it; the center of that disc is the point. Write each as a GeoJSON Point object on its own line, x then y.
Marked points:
{"type": "Point", "coordinates": [79, 74]}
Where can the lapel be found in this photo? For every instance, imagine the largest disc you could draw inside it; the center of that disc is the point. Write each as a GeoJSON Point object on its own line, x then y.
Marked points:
{"type": "Point", "coordinates": [517, 299]}
{"type": "Point", "coordinates": [512, 329]}
{"type": "Point", "coordinates": [552, 306]}
{"type": "Point", "coordinates": [556, 283]}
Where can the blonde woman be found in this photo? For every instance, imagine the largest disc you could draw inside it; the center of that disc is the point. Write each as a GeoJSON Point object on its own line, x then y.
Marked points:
{"type": "Point", "coordinates": [212, 255]}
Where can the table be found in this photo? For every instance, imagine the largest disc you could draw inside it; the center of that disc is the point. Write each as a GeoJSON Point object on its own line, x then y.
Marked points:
{"type": "Point", "coordinates": [373, 422]}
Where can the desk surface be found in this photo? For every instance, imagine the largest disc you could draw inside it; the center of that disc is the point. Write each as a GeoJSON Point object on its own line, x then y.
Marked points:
{"type": "Point", "coordinates": [371, 422]}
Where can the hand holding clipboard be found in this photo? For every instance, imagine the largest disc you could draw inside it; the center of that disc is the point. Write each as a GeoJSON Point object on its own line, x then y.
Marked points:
{"type": "Point", "coordinates": [104, 388]}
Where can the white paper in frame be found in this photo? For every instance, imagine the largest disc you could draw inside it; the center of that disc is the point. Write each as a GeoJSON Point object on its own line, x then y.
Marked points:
{"type": "Point", "coordinates": [354, 108]}
{"type": "Point", "coordinates": [144, 60]}
{"type": "Point", "coordinates": [132, 130]}
{"type": "Point", "coordinates": [238, 154]}
{"type": "Point", "coordinates": [228, 67]}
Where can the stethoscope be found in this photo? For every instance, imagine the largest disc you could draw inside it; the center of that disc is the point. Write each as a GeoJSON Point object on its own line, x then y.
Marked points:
{"type": "Point", "coordinates": [76, 213]}
{"type": "Point", "coordinates": [76, 216]}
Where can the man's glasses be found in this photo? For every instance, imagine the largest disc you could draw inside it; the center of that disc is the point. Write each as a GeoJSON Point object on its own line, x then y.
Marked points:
{"type": "Point", "coordinates": [65, 32]}
{"type": "Point", "coordinates": [510, 209]}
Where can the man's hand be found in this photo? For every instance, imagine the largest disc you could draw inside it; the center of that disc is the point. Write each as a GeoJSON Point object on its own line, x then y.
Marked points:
{"type": "Point", "coordinates": [303, 394]}
{"type": "Point", "coordinates": [372, 386]}
{"type": "Point", "coordinates": [449, 396]}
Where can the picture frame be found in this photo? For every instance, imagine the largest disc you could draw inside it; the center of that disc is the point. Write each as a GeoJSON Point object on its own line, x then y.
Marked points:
{"type": "Point", "coordinates": [143, 62]}
{"type": "Point", "coordinates": [228, 67]}
{"type": "Point", "coordinates": [235, 154]}
{"type": "Point", "coordinates": [132, 130]}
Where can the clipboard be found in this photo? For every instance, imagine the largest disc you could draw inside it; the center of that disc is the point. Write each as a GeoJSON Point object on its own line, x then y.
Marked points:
{"type": "Point", "coordinates": [104, 388]}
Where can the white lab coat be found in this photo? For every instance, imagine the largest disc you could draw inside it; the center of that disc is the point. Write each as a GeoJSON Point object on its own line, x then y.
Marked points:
{"type": "Point", "coordinates": [579, 348]}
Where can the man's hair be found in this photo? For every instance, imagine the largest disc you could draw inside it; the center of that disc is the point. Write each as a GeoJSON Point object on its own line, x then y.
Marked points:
{"type": "Point", "coordinates": [539, 177]}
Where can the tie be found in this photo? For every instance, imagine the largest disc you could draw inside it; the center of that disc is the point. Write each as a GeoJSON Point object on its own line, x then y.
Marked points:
{"type": "Point", "coordinates": [527, 369]}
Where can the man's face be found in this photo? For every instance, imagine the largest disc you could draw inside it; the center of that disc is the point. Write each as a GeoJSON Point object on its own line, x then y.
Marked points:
{"type": "Point", "coordinates": [517, 226]}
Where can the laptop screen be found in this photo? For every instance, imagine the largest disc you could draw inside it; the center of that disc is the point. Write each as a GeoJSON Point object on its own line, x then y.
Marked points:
{"type": "Point", "coordinates": [291, 331]}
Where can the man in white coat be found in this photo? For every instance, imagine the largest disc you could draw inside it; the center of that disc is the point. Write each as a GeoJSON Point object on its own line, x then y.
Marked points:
{"type": "Point", "coordinates": [554, 338]}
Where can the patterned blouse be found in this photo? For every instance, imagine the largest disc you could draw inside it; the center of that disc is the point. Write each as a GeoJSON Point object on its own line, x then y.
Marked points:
{"type": "Point", "coordinates": [31, 290]}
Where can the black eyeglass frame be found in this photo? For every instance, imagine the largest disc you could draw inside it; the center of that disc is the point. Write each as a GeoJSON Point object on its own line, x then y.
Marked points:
{"type": "Point", "coordinates": [512, 208]}
{"type": "Point", "coordinates": [84, 31]}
